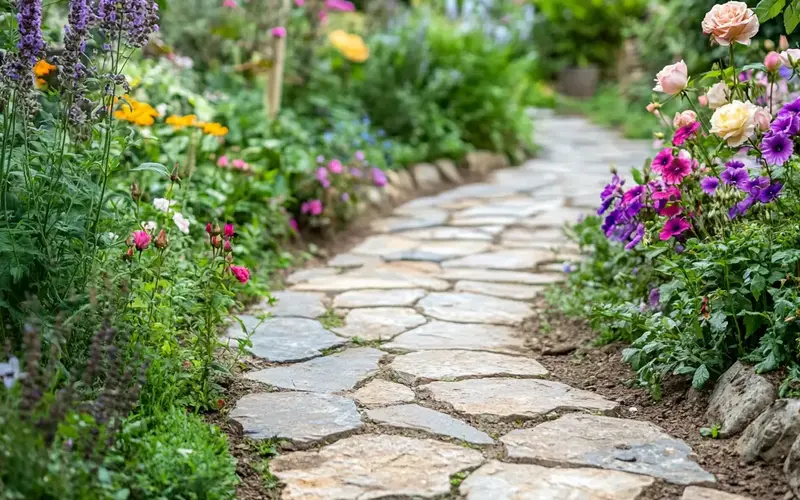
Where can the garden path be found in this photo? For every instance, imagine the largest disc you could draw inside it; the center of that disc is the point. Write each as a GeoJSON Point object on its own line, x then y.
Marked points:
{"type": "Point", "coordinates": [426, 388]}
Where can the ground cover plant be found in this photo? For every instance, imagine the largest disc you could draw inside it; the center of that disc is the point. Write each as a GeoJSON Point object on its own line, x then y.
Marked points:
{"type": "Point", "coordinates": [695, 262]}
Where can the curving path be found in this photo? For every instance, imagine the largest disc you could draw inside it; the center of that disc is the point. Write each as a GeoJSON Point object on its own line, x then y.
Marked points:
{"type": "Point", "coordinates": [426, 388]}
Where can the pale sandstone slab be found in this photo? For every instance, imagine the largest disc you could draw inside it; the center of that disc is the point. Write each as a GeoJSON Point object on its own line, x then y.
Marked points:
{"type": "Point", "coordinates": [380, 392]}
{"type": "Point", "coordinates": [437, 335]}
{"type": "Point", "coordinates": [308, 274]}
{"type": "Point", "coordinates": [502, 290]}
{"type": "Point", "coordinates": [483, 220]}
{"type": "Point", "coordinates": [474, 308]}
{"type": "Point", "coordinates": [546, 236]}
{"type": "Point", "coordinates": [349, 260]}
{"type": "Point", "coordinates": [428, 366]}
{"type": "Point", "coordinates": [381, 245]}
{"type": "Point", "coordinates": [447, 233]}
{"type": "Point", "coordinates": [698, 493]}
{"type": "Point", "coordinates": [500, 481]}
{"type": "Point", "coordinates": [300, 417]}
{"type": "Point", "coordinates": [334, 373]}
{"type": "Point", "coordinates": [555, 218]}
{"type": "Point", "coordinates": [499, 276]}
{"type": "Point", "coordinates": [503, 259]}
{"type": "Point", "coordinates": [513, 207]}
{"type": "Point", "coordinates": [426, 175]}
{"type": "Point", "coordinates": [516, 398]}
{"type": "Point", "coordinates": [449, 171]}
{"type": "Point", "coordinates": [374, 278]}
{"type": "Point", "coordinates": [438, 251]}
{"type": "Point", "coordinates": [300, 304]}
{"type": "Point", "coordinates": [379, 323]}
{"type": "Point", "coordinates": [419, 220]}
{"type": "Point", "coordinates": [285, 339]}
{"type": "Point", "coordinates": [378, 298]}
{"type": "Point", "coordinates": [417, 417]}
{"type": "Point", "coordinates": [373, 466]}
{"type": "Point", "coordinates": [490, 229]}
{"type": "Point", "coordinates": [608, 443]}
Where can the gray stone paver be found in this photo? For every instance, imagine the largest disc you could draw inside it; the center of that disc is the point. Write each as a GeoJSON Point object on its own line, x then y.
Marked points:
{"type": "Point", "coordinates": [439, 290]}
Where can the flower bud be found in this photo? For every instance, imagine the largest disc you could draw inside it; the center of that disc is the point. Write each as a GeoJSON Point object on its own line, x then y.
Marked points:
{"type": "Point", "coordinates": [136, 194]}
{"type": "Point", "coordinates": [175, 175]}
{"type": "Point", "coordinates": [215, 241]}
{"type": "Point", "coordinates": [762, 119]}
{"type": "Point", "coordinates": [772, 61]}
{"type": "Point", "coordinates": [703, 100]}
{"type": "Point", "coordinates": [652, 107]}
{"type": "Point", "coordinates": [128, 255]}
{"type": "Point", "coordinates": [161, 240]}
{"type": "Point", "coordinates": [229, 258]}
{"type": "Point", "coordinates": [209, 228]}
{"type": "Point", "coordinates": [783, 44]}
{"type": "Point", "coordinates": [769, 45]}
{"type": "Point", "coordinates": [217, 230]}
{"type": "Point", "coordinates": [228, 230]}
{"type": "Point", "coordinates": [228, 248]}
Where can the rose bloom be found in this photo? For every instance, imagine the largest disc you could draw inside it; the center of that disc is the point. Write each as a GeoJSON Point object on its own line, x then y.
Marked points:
{"type": "Point", "coordinates": [672, 79]}
{"type": "Point", "coordinates": [790, 57]}
{"type": "Point", "coordinates": [762, 119]}
{"type": "Point", "coordinates": [718, 95]}
{"type": "Point", "coordinates": [735, 122]}
{"type": "Point", "coordinates": [683, 119]}
{"type": "Point", "coordinates": [772, 61]}
{"type": "Point", "coordinates": [731, 22]}
{"type": "Point", "coordinates": [703, 100]}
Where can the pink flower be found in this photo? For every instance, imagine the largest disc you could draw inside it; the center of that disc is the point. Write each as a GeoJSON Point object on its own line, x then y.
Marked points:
{"type": "Point", "coordinates": [672, 79]}
{"type": "Point", "coordinates": [355, 172]}
{"type": "Point", "coordinates": [678, 168]}
{"type": "Point", "coordinates": [673, 227]}
{"type": "Point", "coordinates": [378, 177]}
{"type": "Point", "coordinates": [222, 161]}
{"type": "Point", "coordinates": [239, 163]}
{"type": "Point", "coordinates": [279, 32]}
{"type": "Point", "coordinates": [293, 225]}
{"type": "Point", "coordinates": [231, 4]}
{"type": "Point", "coordinates": [731, 22]}
{"type": "Point", "coordinates": [682, 119]}
{"type": "Point", "coordinates": [322, 173]}
{"type": "Point", "coordinates": [360, 156]}
{"type": "Point", "coordinates": [315, 207]}
{"type": "Point", "coordinates": [228, 232]}
{"type": "Point", "coordinates": [762, 117]}
{"type": "Point", "coordinates": [783, 42]}
{"type": "Point", "coordinates": [790, 57]}
{"type": "Point", "coordinates": [335, 166]}
{"type": "Point", "coordinates": [662, 160]}
{"type": "Point", "coordinates": [772, 61]}
{"type": "Point", "coordinates": [653, 108]}
{"type": "Point", "coordinates": [299, 3]}
{"type": "Point", "coordinates": [227, 246]}
{"type": "Point", "coordinates": [340, 5]}
{"type": "Point", "coordinates": [209, 228]}
{"type": "Point", "coordinates": [242, 273]}
{"type": "Point", "coordinates": [684, 133]}
{"type": "Point", "coordinates": [305, 207]}
{"type": "Point", "coordinates": [141, 240]}
{"type": "Point", "coordinates": [703, 100]}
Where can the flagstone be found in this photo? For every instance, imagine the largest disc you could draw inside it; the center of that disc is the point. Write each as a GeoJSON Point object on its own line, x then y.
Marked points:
{"type": "Point", "coordinates": [412, 416]}
{"type": "Point", "coordinates": [378, 298]}
{"type": "Point", "coordinates": [503, 290]}
{"type": "Point", "coordinates": [349, 260]}
{"type": "Point", "coordinates": [503, 259]}
{"type": "Point", "coordinates": [380, 392]}
{"type": "Point", "coordinates": [374, 278]}
{"type": "Point", "coordinates": [556, 218]}
{"type": "Point", "coordinates": [308, 274]}
{"type": "Point", "coordinates": [436, 335]}
{"type": "Point", "coordinates": [438, 251]}
{"type": "Point", "coordinates": [291, 303]}
{"type": "Point", "coordinates": [451, 365]}
{"type": "Point", "coordinates": [483, 220]}
{"type": "Point", "coordinates": [499, 276]}
{"type": "Point", "coordinates": [474, 308]}
{"type": "Point", "coordinates": [447, 233]}
{"type": "Point", "coordinates": [285, 339]}
{"type": "Point", "coordinates": [379, 323]}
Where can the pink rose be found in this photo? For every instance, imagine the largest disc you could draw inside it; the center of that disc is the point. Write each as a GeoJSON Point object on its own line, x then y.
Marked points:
{"type": "Point", "coordinates": [241, 273]}
{"type": "Point", "coordinates": [239, 163]}
{"type": "Point", "coordinates": [688, 117]}
{"type": "Point", "coordinates": [141, 240]}
{"type": "Point", "coordinates": [340, 5]}
{"type": "Point", "coordinates": [731, 22]}
{"type": "Point", "coordinates": [229, 231]}
{"type": "Point", "coordinates": [762, 117]}
{"type": "Point", "coordinates": [772, 61]}
{"type": "Point", "coordinates": [703, 100]}
{"type": "Point", "coordinates": [231, 4]}
{"type": "Point", "coordinates": [279, 32]}
{"type": "Point", "coordinates": [222, 161]}
{"type": "Point", "coordinates": [672, 79]}
{"type": "Point", "coordinates": [790, 57]}
{"type": "Point", "coordinates": [299, 3]}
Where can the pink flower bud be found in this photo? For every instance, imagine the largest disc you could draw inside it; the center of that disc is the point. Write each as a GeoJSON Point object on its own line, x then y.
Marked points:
{"type": "Point", "coordinates": [772, 61]}
{"type": "Point", "coordinates": [703, 100]}
{"type": "Point", "coordinates": [762, 117]}
{"type": "Point", "coordinates": [141, 240]}
{"type": "Point", "coordinates": [783, 44]}
{"type": "Point", "coordinates": [652, 107]}
{"type": "Point", "coordinates": [688, 117]}
{"type": "Point", "coordinates": [227, 247]}
{"type": "Point", "coordinates": [279, 32]}
{"type": "Point", "coordinates": [209, 228]}
{"type": "Point", "coordinates": [222, 162]}
{"type": "Point", "coordinates": [228, 230]}
{"type": "Point", "coordinates": [241, 273]}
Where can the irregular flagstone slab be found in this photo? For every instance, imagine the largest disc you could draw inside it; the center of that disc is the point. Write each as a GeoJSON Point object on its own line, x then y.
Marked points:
{"type": "Point", "coordinates": [443, 335]}
{"type": "Point", "coordinates": [428, 366]}
{"type": "Point", "coordinates": [426, 175]}
{"type": "Point", "coordinates": [337, 372]}
{"type": "Point", "coordinates": [447, 233]}
{"type": "Point", "coordinates": [373, 278]}
{"type": "Point", "coordinates": [608, 443]}
{"type": "Point", "coordinates": [418, 221]}
{"type": "Point", "coordinates": [449, 171]}
{"type": "Point", "coordinates": [503, 290]}
{"type": "Point", "coordinates": [555, 218]}
{"type": "Point", "coordinates": [739, 396]}
{"type": "Point", "coordinates": [372, 466]}
{"type": "Point", "coordinates": [348, 260]}
{"type": "Point", "coordinates": [500, 481]}
{"type": "Point", "coordinates": [380, 392]}
{"type": "Point", "coordinates": [490, 229]}
{"type": "Point", "coordinates": [300, 304]}
{"type": "Point", "coordinates": [484, 220]}
{"type": "Point", "coordinates": [424, 419]}
{"type": "Point", "coordinates": [698, 493]}
{"type": "Point", "coordinates": [519, 234]}
{"type": "Point", "coordinates": [378, 298]}
{"type": "Point", "coordinates": [516, 398]}
{"type": "Point", "coordinates": [499, 276]}
{"type": "Point", "coordinates": [383, 245]}
{"type": "Point", "coordinates": [308, 274]}
{"type": "Point", "coordinates": [504, 259]}
{"type": "Point", "coordinates": [379, 323]}
{"type": "Point", "coordinates": [474, 308]}
{"type": "Point", "coordinates": [438, 251]}
{"type": "Point", "coordinates": [301, 417]}
{"type": "Point", "coordinates": [286, 339]}
{"type": "Point", "coordinates": [512, 207]}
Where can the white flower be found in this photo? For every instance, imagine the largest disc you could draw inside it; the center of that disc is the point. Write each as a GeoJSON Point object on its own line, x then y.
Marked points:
{"type": "Point", "coordinates": [182, 222]}
{"type": "Point", "coordinates": [9, 372]}
{"type": "Point", "coordinates": [163, 204]}
{"type": "Point", "coordinates": [718, 95]}
{"type": "Point", "coordinates": [735, 122]}
{"type": "Point", "coordinates": [149, 226]}
{"type": "Point", "coordinates": [790, 57]}
{"type": "Point", "coordinates": [112, 236]}
{"type": "Point", "coordinates": [162, 108]}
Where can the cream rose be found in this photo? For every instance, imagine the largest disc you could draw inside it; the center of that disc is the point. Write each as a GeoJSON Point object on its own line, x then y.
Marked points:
{"type": "Point", "coordinates": [790, 57]}
{"type": "Point", "coordinates": [718, 95]}
{"type": "Point", "coordinates": [731, 22]}
{"type": "Point", "coordinates": [672, 79]}
{"type": "Point", "coordinates": [683, 119]}
{"type": "Point", "coordinates": [735, 122]}
{"type": "Point", "coordinates": [762, 118]}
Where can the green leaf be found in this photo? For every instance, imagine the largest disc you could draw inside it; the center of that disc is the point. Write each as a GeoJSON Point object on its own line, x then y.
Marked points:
{"type": "Point", "coordinates": [152, 167]}
{"type": "Point", "coordinates": [757, 285]}
{"type": "Point", "coordinates": [791, 17]}
{"type": "Point", "coordinates": [637, 176]}
{"type": "Point", "coordinates": [767, 9]}
{"type": "Point", "coordinates": [751, 324]}
{"type": "Point", "coordinates": [701, 376]}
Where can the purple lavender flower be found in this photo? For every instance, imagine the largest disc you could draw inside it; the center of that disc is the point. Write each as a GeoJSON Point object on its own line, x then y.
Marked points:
{"type": "Point", "coordinates": [709, 185]}
{"type": "Point", "coordinates": [136, 20]}
{"type": "Point", "coordinates": [777, 148]}
{"type": "Point", "coordinates": [735, 176]}
{"type": "Point", "coordinates": [18, 68]}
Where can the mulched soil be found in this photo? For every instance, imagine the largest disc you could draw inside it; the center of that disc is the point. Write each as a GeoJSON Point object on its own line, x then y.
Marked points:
{"type": "Point", "coordinates": [681, 412]}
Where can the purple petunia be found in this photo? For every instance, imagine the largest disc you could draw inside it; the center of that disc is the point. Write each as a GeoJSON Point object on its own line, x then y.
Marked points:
{"type": "Point", "coordinates": [637, 237]}
{"type": "Point", "coordinates": [777, 148]}
{"type": "Point", "coordinates": [770, 193]}
{"type": "Point", "coordinates": [787, 124]}
{"type": "Point", "coordinates": [709, 185]}
{"type": "Point", "coordinates": [735, 176]}
{"type": "Point", "coordinates": [790, 109]}
{"type": "Point", "coordinates": [673, 227]}
{"type": "Point", "coordinates": [654, 298]}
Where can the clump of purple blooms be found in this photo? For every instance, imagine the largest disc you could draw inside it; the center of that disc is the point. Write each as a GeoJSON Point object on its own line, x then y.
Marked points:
{"type": "Point", "coordinates": [134, 20]}
{"type": "Point", "coordinates": [777, 145]}
{"type": "Point", "coordinates": [17, 69]}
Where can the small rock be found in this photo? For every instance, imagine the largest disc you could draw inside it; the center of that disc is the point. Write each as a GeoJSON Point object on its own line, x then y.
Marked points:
{"type": "Point", "coordinates": [791, 467]}
{"type": "Point", "coordinates": [426, 175]}
{"type": "Point", "coordinates": [482, 162]}
{"type": "Point", "coordinates": [771, 435]}
{"type": "Point", "coordinates": [418, 417]}
{"type": "Point", "coordinates": [739, 396]}
{"type": "Point", "coordinates": [307, 274]}
{"type": "Point", "coordinates": [449, 171]}
{"type": "Point", "coordinates": [698, 493]}
{"type": "Point", "coordinates": [503, 290]}
{"type": "Point", "coordinates": [401, 179]}
{"type": "Point", "coordinates": [380, 392]}
{"type": "Point", "coordinates": [378, 298]}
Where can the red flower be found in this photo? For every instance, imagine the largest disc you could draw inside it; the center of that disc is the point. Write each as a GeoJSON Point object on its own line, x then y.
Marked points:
{"type": "Point", "coordinates": [242, 273]}
{"type": "Point", "coordinates": [209, 228]}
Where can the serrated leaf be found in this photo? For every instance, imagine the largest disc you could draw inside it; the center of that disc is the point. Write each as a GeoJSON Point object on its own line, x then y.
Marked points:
{"type": "Point", "coordinates": [701, 376]}
{"type": "Point", "coordinates": [767, 9]}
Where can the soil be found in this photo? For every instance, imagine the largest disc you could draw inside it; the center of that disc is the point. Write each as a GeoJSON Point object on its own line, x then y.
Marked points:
{"type": "Point", "coordinates": [681, 411]}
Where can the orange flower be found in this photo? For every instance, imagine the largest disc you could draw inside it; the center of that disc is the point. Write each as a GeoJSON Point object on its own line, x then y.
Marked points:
{"type": "Point", "coordinates": [179, 122]}
{"type": "Point", "coordinates": [139, 113]}
{"type": "Point", "coordinates": [216, 129]}
{"type": "Point", "coordinates": [352, 47]}
{"type": "Point", "coordinates": [42, 68]}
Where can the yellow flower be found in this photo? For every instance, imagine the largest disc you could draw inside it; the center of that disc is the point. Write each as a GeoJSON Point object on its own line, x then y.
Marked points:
{"type": "Point", "coordinates": [179, 122]}
{"type": "Point", "coordinates": [734, 122]}
{"type": "Point", "coordinates": [352, 47]}
{"type": "Point", "coordinates": [137, 112]}
{"type": "Point", "coordinates": [42, 68]}
{"type": "Point", "coordinates": [216, 129]}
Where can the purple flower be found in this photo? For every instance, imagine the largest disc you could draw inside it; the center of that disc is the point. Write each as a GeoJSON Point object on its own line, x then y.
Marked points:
{"type": "Point", "coordinates": [320, 159]}
{"type": "Point", "coordinates": [777, 148]}
{"type": "Point", "coordinates": [360, 156]}
{"type": "Point", "coordinates": [654, 298]}
{"type": "Point", "coordinates": [679, 248]}
{"type": "Point", "coordinates": [755, 185]}
{"type": "Point", "coordinates": [19, 67]}
{"type": "Point", "coordinates": [790, 109]}
{"type": "Point", "coordinates": [633, 194]}
{"type": "Point", "coordinates": [633, 208]}
{"type": "Point", "coordinates": [637, 237]}
{"type": "Point", "coordinates": [136, 20]}
{"type": "Point", "coordinates": [709, 185]}
{"type": "Point", "coordinates": [609, 193]}
{"type": "Point", "coordinates": [684, 133]}
{"type": "Point", "coordinates": [355, 172]}
{"type": "Point", "coordinates": [735, 176]}
{"type": "Point", "coordinates": [788, 124]}
{"type": "Point", "coordinates": [378, 177]}
{"type": "Point", "coordinates": [662, 160]}
{"type": "Point", "coordinates": [567, 267]}
{"type": "Point", "coordinates": [770, 193]}
{"type": "Point", "coordinates": [345, 197]}
{"type": "Point", "coordinates": [743, 206]}
{"type": "Point", "coordinates": [673, 227]}
{"type": "Point", "coordinates": [734, 164]}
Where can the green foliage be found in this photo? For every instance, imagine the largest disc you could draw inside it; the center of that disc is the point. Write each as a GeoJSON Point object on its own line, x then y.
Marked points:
{"type": "Point", "coordinates": [769, 9]}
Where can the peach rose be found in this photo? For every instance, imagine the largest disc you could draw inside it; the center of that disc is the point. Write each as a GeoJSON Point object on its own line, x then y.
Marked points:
{"type": "Point", "coordinates": [731, 22]}
{"type": "Point", "coordinates": [683, 119]}
{"type": "Point", "coordinates": [672, 79]}
{"type": "Point", "coordinates": [718, 95]}
{"type": "Point", "coordinates": [703, 100]}
{"type": "Point", "coordinates": [790, 57]}
{"type": "Point", "coordinates": [762, 117]}
{"type": "Point", "coordinates": [735, 122]}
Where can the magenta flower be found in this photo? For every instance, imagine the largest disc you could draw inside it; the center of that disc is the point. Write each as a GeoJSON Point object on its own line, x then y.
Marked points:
{"type": "Point", "coordinates": [239, 164]}
{"type": "Point", "coordinates": [141, 240]}
{"type": "Point", "coordinates": [335, 166]}
{"type": "Point", "coordinates": [241, 273]}
{"type": "Point", "coordinates": [293, 225]}
{"type": "Point", "coordinates": [222, 161]}
{"type": "Point", "coordinates": [684, 133]}
{"type": "Point", "coordinates": [278, 32]}
{"type": "Point", "coordinates": [231, 4]}
{"type": "Point", "coordinates": [678, 168]}
{"type": "Point", "coordinates": [673, 227]}
{"type": "Point", "coordinates": [360, 156]}
{"type": "Point", "coordinates": [378, 177]}
{"type": "Point", "coordinates": [299, 3]}
{"type": "Point", "coordinates": [305, 207]}
{"type": "Point", "coordinates": [315, 207]}
{"type": "Point", "coordinates": [662, 160]}
{"type": "Point", "coordinates": [228, 231]}
{"type": "Point", "coordinates": [709, 185]}
{"type": "Point", "coordinates": [322, 177]}
{"type": "Point", "coordinates": [340, 5]}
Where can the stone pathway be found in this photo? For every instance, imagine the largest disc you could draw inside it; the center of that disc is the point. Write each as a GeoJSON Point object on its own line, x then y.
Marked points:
{"type": "Point", "coordinates": [425, 388]}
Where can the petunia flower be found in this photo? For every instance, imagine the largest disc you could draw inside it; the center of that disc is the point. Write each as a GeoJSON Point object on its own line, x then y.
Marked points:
{"type": "Point", "coordinates": [777, 148]}
{"type": "Point", "coordinates": [709, 185]}
{"type": "Point", "coordinates": [673, 227]}
{"type": "Point", "coordinates": [678, 168]}
{"type": "Point", "coordinates": [662, 159]}
{"type": "Point", "coordinates": [684, 133]}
